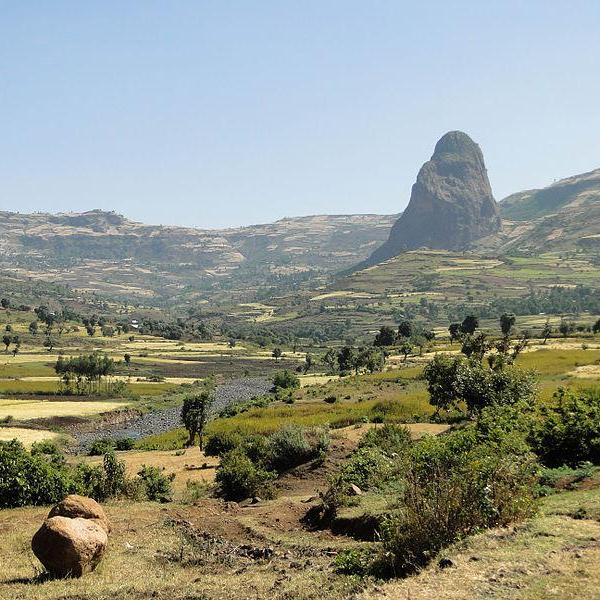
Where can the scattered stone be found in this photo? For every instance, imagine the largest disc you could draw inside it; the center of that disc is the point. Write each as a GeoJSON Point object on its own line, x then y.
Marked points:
{"type": "Point", "coordinates": [69, 547]}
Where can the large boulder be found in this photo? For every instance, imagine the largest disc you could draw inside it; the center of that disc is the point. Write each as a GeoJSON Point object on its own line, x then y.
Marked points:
{"type": "Point", "coordinates": [74, 506]}
{"type": "Point", "coordinates": [451, 204]}
{"type": "Point", "coordinates": [69, 547]}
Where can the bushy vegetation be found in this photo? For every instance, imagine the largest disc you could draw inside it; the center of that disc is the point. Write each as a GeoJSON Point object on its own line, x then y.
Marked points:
{"type": "Point", "coordinates": [453, 486]}
{"type": "Point", "coordinates": [250, 463]}
{"type": "Point", "coordinates": [568, 432]}
{"type": "Point", "coordinates": [42, 476]}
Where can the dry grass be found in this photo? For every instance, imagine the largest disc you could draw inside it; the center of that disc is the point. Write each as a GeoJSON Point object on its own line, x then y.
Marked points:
{"type": "Point", "coordinates": [150, 557]}
{"type": "Point", "coordinates": [170, 461]}
{"type": "Point", "coordinates": [25, 436]}
{"type": "Point", "coordinates": [548, 557]}
{"type": "Point", "coordinates": [23, 410]}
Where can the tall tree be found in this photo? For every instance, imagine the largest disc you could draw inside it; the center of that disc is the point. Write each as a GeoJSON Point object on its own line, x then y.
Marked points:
{"type": "Point", "coordinates": [194, 415]}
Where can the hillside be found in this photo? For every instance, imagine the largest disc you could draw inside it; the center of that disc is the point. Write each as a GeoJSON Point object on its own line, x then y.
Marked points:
{"type": "Point", "coordinates": [565, 215]}
{"type": "Point", "coordinates": [106, 253]}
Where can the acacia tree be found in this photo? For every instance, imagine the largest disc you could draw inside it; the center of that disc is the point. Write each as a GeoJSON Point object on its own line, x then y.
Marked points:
{"type": "Point", "coordinates": [547, 331]}
{"type": "Point", "coordinates": [469, 325]}
{"type": "Point", "coordinates": [454, 331]}
{"type": "Point", "coordinates": [194, 416]}
{"type": "Point", "coordinates": [507, 323]}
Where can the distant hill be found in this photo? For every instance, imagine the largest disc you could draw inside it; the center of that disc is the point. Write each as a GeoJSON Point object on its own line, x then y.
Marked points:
{"type": "Point", "coordinates": [104, 252]}
{"type": "Point", "coordinates": [565, 215]}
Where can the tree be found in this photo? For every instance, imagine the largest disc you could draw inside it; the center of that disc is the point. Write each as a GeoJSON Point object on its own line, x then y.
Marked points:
{"type": "Point", "coordinates": [308, 361]}
{"type": "Point", "coordinates": [454, 380]}
{"type": "Point", "coordinates": [346, 358]}
{"type": "Point", "coordinates": [475, 346]}
{"type": "Point", "coordinates": [33, 327]}
{"type": "Point", "coordinates": [91, 330]}
{"type": "Point", "coordinates": [469, 325]}
{"type": "Point", "coordinates": [596, 326]}
{"type": "Point", "coordinates": [330, 360]}
{"type": "Point", "coordinates": [385, 337]}
{"type": "Point", "coordinates": [547, 331]}
{"type": "Point", "coordinates": [565, 327]}
{"type": "Point", "coordinates": [405, 329]}
{"type": "Point", "coordinates": [6, 340]}
{"type": "Point", "coordinates": [127, 359]}
{"type": "Point", "coordinates": [5, 302]}
{"type": "Point", "coordinates": [405, 349]}
{"type": "Point", "coordinates": [277, 353]}
{"type": "Point", "coordinates": [507, 323]}
{"type": "Point", "coordinates": [372, 359]}
{"type": "Point", "coordinates": [454, 330]}
{"type": "Point", "coordinates": [194, 415]}
{"type": "Point", "coordinates": [49, 343]}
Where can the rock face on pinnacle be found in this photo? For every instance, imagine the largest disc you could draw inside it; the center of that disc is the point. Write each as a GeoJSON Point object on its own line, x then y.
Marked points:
{"type": "Point", "coordinates": [451, 204]}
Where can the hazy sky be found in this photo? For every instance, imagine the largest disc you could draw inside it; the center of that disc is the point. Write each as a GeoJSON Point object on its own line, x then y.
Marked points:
{"type": "Point", "coordinates": [226, 113]}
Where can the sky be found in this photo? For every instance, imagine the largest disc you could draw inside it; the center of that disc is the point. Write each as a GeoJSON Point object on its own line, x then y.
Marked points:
{"type": "Point", "coordinates": [226, 113]}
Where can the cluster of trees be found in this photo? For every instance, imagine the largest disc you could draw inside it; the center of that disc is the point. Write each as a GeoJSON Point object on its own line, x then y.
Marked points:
{"type": "Point", "coordinates": [349, 359]}
{"type": "Point", "coordinates": [85, 372]}
{"type": "Point", "coordinates": [407, 337]}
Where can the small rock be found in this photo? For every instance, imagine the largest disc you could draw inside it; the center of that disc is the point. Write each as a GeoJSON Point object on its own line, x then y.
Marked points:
{"type": "Point", "coordinates": [355, 490]}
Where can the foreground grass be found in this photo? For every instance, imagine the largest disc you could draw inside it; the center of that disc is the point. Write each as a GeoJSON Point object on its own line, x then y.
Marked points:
{"type": "Point", "coordinates": [554, 555]}
{"type": "Point", "coordinates": [150, 557]}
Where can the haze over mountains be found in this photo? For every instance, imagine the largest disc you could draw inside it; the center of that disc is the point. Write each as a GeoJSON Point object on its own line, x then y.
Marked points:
{"type": "Point", "coordinates": [451, 208]}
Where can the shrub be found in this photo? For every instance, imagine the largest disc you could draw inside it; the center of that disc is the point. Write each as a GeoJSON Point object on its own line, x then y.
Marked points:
{"type": "Point", "coordinates": [125, 443]}
{"type": "Point", "coordinates": [286, 380]}
{"type": "Point", "coordinates": [390, 439]}
{"type": "Point", "coordinates": [455, 485]}
{"type": "Point", "coordinates": [156, 485]}
{"type": "Point", "coordinates": [101, 447]}
{"type": "Point", "coordinates": [238, 477]}
{"type": "Point", "coordinates": [31, 479]}
{"type": "Point", "coordinates": [292, 446]}
{"type": "Point", "coordinates": [569, 432]}
{"type": "Point", "coordinates": [222, 442]}
{"type": "Point", "coordinates": [366, 468]}
{"type": "Point", "coordinates": [330, 399]}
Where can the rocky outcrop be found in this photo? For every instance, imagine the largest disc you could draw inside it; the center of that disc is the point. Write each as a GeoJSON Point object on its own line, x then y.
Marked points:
{"type": "Point", "coordinates": [451, 204]}
{"type": "Point", "coordinates": [73, 539]}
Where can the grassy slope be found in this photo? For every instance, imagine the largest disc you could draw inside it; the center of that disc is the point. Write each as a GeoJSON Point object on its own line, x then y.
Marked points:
{"type": "Point", "coordinates": [554, 555]}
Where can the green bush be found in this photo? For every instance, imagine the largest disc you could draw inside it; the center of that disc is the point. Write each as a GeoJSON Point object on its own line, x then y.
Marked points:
{"type": "Point", "coordinates": [455, 485]}
{"type": "Point", "coordinates": [568, 433]}
{"type": "Point", "coordinates": [390, 439]}
{"type": "Point", "coordinates": [366, 468]}
{"type": "Point", "coordinates": [156, 485]}
{"type": "Point", "coordinates": [286, 380]}
{"type": "Point", "coordinates": [101, 447]}
{"type": "Point", "coordinates": [238, 477]}
{"type": "Point", "coordinates": [293, 445]}
{"type": "Point", "coordinates": [31, 479]}
{"type": "Point", "coordinates": [222, 442]}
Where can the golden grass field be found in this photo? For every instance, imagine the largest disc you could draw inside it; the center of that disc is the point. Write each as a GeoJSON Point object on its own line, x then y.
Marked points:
{"type": "Point", "coordinates": [25, 410]}
{"type": "Point", "coordinates": [26, 436]}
